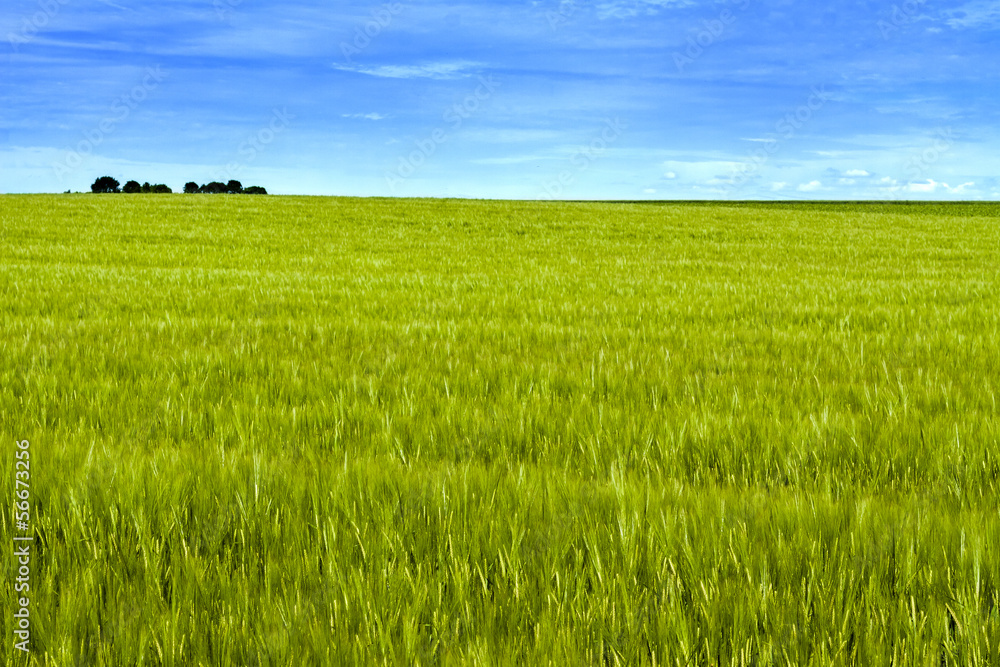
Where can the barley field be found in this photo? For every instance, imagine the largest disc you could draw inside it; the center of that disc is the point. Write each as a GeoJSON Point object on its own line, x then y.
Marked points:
{"type": "Point", "coordinates": [297, 431]}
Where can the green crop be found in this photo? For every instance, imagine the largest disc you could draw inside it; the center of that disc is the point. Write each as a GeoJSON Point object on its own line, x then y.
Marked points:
{"type": "Point", "coordinates": [291, 431]}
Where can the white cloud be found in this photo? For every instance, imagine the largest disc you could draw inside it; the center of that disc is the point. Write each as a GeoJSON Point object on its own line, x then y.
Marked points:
{"type": "Point", "coordinates": [670, 175]}
{"type": "Point", "coordinates": [930, 186]}
{"type": "Point", "coordinates": [366, 116]}
{"type": "Point", "coordinates": [781, 185]}
{"type": "Point", "coordinates": [505, 136]}
{"type": "Point", "coordinates": [847, 181]}
{"type": "Point", "coordinates": [650, 191]}
{"type": "Point", "coordinates": [514, 159]}
{"type": "Point", "coordinates": [811, 186]}
{"type": "Point", "coordinates": [452, 70]}
{"type": "Point", "coordinates": [975, 14]}
{"type": "Point", "coordinates": [856, 172]}
{"type": "Point", "coordinates": [701, 169]}
{"type": "Point", "coordinates": [620, 9]}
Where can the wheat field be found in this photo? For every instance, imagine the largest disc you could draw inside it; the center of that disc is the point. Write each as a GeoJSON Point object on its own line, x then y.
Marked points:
{"type": "Point", "coordinates": [295, 430]}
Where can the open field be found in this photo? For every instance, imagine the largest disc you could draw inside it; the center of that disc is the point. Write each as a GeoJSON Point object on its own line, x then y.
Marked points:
{"type": "Point", "coordinates": [280, 430]}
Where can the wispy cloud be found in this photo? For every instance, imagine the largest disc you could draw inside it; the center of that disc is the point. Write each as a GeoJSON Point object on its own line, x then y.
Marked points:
{"type": "Point", "coordinates": [976, 14]}
{"type": "Point", "coordinates": [932, 186]}
{"type": "Point", "coordinates": [440, 70]}
{"type": "Point", "coordinates": [627, 8]}
{"type": "Point", "coordinates": [514, 159]}
{"type": "Point", "coordinates": [366, 116]}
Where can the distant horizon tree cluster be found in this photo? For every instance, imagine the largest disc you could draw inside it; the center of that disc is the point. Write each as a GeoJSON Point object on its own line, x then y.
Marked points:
{"type": "Point", "coordinates": [217, 188]}
{"type": "Point", "coordinates": [109, 185]}
{"type": "Point", "coordinates": [133, 187]}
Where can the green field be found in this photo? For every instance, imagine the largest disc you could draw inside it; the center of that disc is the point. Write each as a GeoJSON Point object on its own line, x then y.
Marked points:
{"type": "Point", "coordinates": [295, 431]}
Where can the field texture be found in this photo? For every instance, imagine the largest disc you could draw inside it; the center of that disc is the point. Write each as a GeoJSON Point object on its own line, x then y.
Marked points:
{"type": "Point", "coordinates": [283, 431]}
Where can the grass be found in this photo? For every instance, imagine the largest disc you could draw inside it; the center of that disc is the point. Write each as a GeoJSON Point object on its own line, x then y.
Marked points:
{"type": "Point", "coordinates": [286, 430]}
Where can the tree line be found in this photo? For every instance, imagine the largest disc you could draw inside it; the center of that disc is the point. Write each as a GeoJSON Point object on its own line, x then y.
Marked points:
{"type": "Point", "coordinates": [107, 184]}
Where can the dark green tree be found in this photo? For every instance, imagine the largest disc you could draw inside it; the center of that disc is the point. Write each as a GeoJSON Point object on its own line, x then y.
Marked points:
{"type": "Point", "coordinates": [162, 189]}
{"type": "Point", "coordinates": [234, 188]}
{"type": "Point", "coordinates": [213, 188]}
{"type": "Point", "coordinates": [131, 187]}
{"type": "Point", "coordinates": [190, 188]}
{"type": "Point", "coordinates": [146, 187]}
{"type": "Point", "coordinates": [255, 190]}
{"type": "Point", "coordinates": [105, 184]}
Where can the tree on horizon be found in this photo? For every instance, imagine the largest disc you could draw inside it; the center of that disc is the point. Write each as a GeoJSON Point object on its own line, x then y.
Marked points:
{"type": "Point", "coordinates": [105, 184]}
{"type": "Point", "coordinates": [213, 188]}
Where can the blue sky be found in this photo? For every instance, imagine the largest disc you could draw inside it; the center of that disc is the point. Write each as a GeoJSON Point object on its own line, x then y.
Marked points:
{"type": "Point", "coordinates": [624, 99]}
